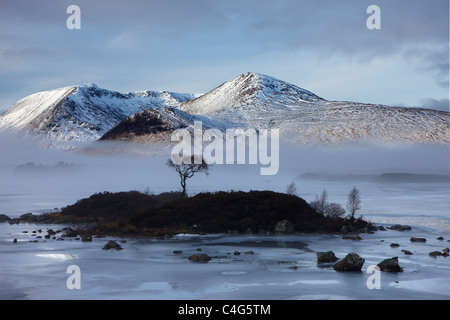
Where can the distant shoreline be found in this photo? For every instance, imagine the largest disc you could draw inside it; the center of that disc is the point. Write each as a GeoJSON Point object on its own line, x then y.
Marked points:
{"type": "Point", "coordinates": [379, 178]}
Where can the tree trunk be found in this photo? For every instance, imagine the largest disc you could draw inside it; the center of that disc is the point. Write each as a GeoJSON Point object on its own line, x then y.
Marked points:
{"type": "Point", "coordinates": [183, 185]}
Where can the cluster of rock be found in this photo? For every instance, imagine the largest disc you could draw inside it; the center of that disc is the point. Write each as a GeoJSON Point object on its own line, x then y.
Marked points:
{"type": "Point", "coordinates": [443, 253]}
{"type": "Point", "coordinates": [59, 235]}
{"type": "Point", "coordinates": [434, 254]}
{"type": "Point", "coordinates": [203, 258]}
{"type": "Point", "coordinates": [28, 218]}
{"type": "Point", "coordinates": [353, 262]}
{"type": "Point", "coordinates": [4, 218]}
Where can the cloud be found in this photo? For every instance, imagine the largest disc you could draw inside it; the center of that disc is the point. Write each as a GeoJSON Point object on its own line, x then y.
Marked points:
{"type": "Point", "coordinates": [24, 53]}
{"type": "Point", "coordinates": [328, 29]}
{"type": "Point", "coordinates": [442, 104]}
{"type": "Point", "coordinates": [437, 62]}
{"type": "Point", "coordinates": [143, 45]}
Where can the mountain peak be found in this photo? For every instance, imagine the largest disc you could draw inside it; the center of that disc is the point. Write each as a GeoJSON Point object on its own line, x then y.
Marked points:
{"type": "Point", "coordinates": [250, 90]}
{"type": "Point", "coordinates": [277, 86]}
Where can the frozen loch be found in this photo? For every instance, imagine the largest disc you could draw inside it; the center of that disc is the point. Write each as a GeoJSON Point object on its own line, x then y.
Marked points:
{"type": "Point", "coordinates": [250, 266]}
{"type": "Point", "coordinates": [267, 267]}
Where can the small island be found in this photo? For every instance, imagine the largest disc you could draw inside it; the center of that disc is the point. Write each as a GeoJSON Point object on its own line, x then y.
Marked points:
{"type": "Point", "coordinates": [137, 214]}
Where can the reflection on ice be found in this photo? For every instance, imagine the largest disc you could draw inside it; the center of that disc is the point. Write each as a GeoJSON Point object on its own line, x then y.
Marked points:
{"type": "Point", "coordinates": [315, 282]}
{"type": "Point", "coordinates": [57, 256]}
{"type": "Point", "coordinates": [233, 273]}
{"type": "Point", "coordinates": [434, 285]}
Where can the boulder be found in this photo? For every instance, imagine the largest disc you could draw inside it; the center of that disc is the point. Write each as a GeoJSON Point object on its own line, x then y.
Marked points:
{"type": "Point", "coordinates": [407, 252]}
{"type": "Point", "coordinates": [324, 257]}
{"type": "Point", "coordinates": [394, 245]}
{"type": "Point", "coordinates": [351, 262]}
{"type": "Point", "coordinates": [390, 265]}
{"type": "Point", "coordinates": [400, 227]}
{"type": "Point", "coordinates": [199, 258]}
{"type": "Point", "coordinates": [365, 230]}
{"type": "Point", "coordinates": [418, 239]}
{"type": "Point", "coordinates": [435, 254]}
{"type": "Point", "coordinates": [445, 252]}
{"type": "Point", "coordinates": [284, 227]}
{"type": "Point", "coordinates": [70, 233]}
{"type": "Point", "coordinates": [86, 238]}
{"type": "Point", "coordinates": [27, 217]}
{"type": "Point", "coordinates": [4, 218]}
{"type": "Point", "coordinates": [354, 237]}
{"type": "Point", "coordinates": [112, 245]}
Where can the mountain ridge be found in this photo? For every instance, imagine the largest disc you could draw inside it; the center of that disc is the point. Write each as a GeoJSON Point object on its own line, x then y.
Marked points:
{"type": "Point", "coordinates": [252, 100]}
{"type": "Point", "coordinates": [81, 113]}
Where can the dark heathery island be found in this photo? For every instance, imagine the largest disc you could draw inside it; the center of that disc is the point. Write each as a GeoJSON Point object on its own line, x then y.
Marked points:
{"type": "Point", "coordinates": [139, 214]}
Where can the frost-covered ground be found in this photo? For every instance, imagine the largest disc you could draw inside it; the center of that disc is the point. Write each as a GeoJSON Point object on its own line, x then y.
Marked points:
{"type": "Point", "coordinates": [148, 269]}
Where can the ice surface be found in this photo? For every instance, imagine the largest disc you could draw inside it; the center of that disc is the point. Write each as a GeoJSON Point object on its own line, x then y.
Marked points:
{"type": "Point", "coordinates": [282, 267]}
{"type": "Point", "coordinates": [147, 269]}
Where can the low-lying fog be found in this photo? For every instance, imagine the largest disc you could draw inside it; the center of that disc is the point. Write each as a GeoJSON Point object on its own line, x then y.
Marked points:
{"type": "Point", "coordinates": [34, 178]}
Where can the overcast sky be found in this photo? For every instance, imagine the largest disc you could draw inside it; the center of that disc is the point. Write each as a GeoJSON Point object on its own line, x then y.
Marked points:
{"type": "Point", "coordinates": [195, 45]}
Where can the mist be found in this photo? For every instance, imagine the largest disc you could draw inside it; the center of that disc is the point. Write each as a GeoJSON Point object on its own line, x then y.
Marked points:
{"type": "Point", "coordinates": [36, 179]}
{"type": "Point", "coordinates": [368, 159]}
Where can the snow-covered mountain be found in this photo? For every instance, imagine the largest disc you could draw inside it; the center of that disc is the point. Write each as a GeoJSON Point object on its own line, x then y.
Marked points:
{"type": "Point", "coordinates": [250, 91]}
{"type": "Point", "coordinates": [258, 101]}
{"type": "Point", "coordinates": [81, 113]}
{"type": "Point", "coordinates": [87, 113]}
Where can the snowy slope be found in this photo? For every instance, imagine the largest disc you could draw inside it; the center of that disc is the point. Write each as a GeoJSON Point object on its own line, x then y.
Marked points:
{"type": "Point", "coordinates": [35, 107]}
{"type": "Point", "coordinates": [258, 101]}
{"type": "Point", "coordinates": [254, 90]}
{"type": "Point", "coordinates": [252, 100]}
{"type": "Point", "coordinates": [81, 113]}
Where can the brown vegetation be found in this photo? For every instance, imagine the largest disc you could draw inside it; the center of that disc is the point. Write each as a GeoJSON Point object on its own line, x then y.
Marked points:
{"type": "Point", "coordinates": [135, 213]}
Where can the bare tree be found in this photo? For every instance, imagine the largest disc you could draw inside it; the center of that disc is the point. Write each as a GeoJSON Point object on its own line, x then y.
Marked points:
{"type": "Point", "coordinates": [323, 207]}
{"type": "Point", "coordinates": [291, 189]}
{"type": "Point", "coordinates": [353, 202]}
{"type": "Point", "coordinates": [320, 204]}
{"type": "Point", "coordinates": [334, 210]}
{"type": "Point", "coordinates": [187, 170]}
